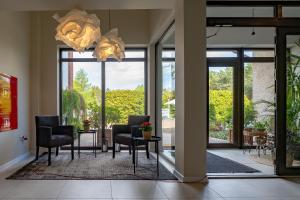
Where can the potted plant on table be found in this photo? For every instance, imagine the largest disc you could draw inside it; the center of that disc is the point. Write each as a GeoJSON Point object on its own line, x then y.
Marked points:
{"type": "Point", "coordinates": [146, 128]}
{"type": "Point", "coordinates": [86, 125]}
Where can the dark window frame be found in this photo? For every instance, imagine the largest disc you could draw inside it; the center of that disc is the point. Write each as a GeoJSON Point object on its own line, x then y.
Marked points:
{"type": "Point", "coordinates": [103, 77]}
{"type": "Point", "coordinates": [238, 90]}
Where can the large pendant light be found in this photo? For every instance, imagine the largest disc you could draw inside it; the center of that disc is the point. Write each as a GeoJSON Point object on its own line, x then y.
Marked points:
{"type": "Point", "coordinates": [78, 29]}
{"type": "Point", "coordinates": [110, 45]}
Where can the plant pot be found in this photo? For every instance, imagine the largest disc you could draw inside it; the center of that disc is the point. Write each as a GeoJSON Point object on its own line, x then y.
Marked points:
{"type": "Point", "coordinates": [147, 135]}
{"type": "Point", "coordinates": [86, 127]}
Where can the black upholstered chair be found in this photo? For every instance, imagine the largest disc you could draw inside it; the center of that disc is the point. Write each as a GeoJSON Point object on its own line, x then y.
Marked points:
{"type": "Point", "coordinates": [50, 134]}
{"type": "Point", "coordinates": [123, 134]}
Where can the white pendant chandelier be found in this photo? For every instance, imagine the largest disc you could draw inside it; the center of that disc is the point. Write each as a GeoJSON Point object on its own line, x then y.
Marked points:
{"type": "Point", "coordinates": [80, 31]}
{"type": "Point", "coordinates": [110, 46]}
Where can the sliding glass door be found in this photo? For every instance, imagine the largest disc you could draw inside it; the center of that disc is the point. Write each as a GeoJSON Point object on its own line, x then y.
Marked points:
{"type": "Point", "coordinates": [288, 101]}
{"type": "Point", "coordinates": [104, 93]}
{"type": "Point", "coordinates": [165, 92]}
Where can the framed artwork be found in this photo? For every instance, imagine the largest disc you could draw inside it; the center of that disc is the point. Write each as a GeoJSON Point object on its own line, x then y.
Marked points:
{"type": "Point", "coordinates": [8, 102]}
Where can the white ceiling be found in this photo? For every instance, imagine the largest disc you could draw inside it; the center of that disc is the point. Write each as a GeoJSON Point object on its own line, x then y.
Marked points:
{"type": "Point", "coordinates": [43, 5]}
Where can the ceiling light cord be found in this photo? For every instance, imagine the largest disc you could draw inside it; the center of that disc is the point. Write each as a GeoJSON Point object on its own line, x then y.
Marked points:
{"type": "Point", "coordinates": [253, 29]}
{"type": "Point", "coordinates": [109, 24]}
{"type": "Point", "coordinates": [215, 34]}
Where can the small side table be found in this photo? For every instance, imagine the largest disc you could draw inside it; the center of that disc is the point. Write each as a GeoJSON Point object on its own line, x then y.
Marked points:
{"type": "Point", "coordinates": [154, 139]}
{"type": "Point", "coordinates": [94, 133]}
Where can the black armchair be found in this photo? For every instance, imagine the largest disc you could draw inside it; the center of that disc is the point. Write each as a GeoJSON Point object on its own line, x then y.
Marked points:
{"type": "Point", "coordinates": [123, 134]}
{"type": "Point", "coordinates": [50, 134]}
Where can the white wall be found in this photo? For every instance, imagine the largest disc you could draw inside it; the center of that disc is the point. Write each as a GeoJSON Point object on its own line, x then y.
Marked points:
{"type": "Point", "coordinates": [15, 60]}
{"type": "Point", "coordinates": [160, 20]}
{"type": "Point", "coordinates": [133, 28]}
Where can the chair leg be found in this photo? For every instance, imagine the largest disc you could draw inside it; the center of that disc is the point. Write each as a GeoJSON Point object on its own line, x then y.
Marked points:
{"type": "Point", "coordinates": [114, 149]}
{"type": "Point", "coordinates": [133, 153]}
{"type": "Point", "coordinates": [49, 156]}
{"type": "Point", "coordinates": [37, 153]}
{"type": "Point", "coordinates": [129, 149]}
{"type": "Point", "coordinates": [57, 150]}
{"type": "Point", "coordinates": [147, 151]}
{"type": "Point", "coordinates": [72, 151]}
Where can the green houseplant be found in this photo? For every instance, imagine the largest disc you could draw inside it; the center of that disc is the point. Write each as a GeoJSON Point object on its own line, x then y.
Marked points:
{"type": "Point", "coordinates": [293, 103]}
{"type": "Point", "coordinates": [146, 127]}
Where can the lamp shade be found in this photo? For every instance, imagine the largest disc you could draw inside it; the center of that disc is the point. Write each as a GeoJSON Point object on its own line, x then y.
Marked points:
{"type": "Point", "coordinates": [78, 30]}
{"type": "Point", "coordinates": [110, 46]}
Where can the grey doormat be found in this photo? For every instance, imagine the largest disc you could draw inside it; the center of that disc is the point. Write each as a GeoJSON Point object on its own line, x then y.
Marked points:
{"type": "Point", "coordinates": [88, 167]}
{"type": "Point", "coordinates": [217, 164]}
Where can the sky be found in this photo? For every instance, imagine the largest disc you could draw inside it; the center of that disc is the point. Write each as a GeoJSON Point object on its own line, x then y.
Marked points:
{"type": "Point", "coordinates": [119, 75]}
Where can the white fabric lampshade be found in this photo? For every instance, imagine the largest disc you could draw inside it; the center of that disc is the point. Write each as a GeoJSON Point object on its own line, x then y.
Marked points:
{"type": "Point", "coordinates": [110, 46]}
{"type": "Point", "coordinates": [78, 30]}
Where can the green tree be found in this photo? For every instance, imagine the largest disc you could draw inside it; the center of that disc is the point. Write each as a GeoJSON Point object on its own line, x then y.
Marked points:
{"type": "Point", "coordinates": [248, 80]}
{"type": "Point", "coordinates": [221, 80]}
{"type": "Point", "coordinates": [81, 82]}
{"type": "Point", "coordinates": [125, 102]}
{"type": "Point", "coordinates": [73, 107]}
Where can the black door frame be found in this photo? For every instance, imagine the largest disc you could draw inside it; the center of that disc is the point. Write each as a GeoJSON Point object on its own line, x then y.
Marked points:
{"type": "Point", "coordinates": [234, 64]}
{"type": "Point", "coordinates": [281, 135]}
{"type": "Point", "coordinates": [238, 92]}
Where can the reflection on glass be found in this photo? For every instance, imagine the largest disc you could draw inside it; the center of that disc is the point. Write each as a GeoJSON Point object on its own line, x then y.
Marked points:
{"type": "Point", "coordinates": [81, 96]}
{"type": "Point", "coordinates": [220, 105]}
{"type": "Point", "coordinates": [75, 54]}
{"type": "Point", "coordinates": [225, 54]}
{"type": "Point", "coordinates": [168, 105]}
{"type": "Point", "coordinates": [125, 93]}
{"type": "Point", "coordinates": [259, 108]}
{"type": "Point", "coordinates": [134, 54]}
{"type": "Point", "coordinates": [293, 101]}
{"type": "Point", "coordinates": [259, 53]}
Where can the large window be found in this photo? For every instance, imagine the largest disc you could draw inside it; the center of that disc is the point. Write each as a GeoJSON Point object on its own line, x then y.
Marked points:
{"type": "Point", "coordinates": [103, 92]}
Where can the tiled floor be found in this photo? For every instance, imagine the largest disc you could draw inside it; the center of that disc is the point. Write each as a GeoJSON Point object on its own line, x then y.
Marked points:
{"type": "Point", "coordinates": [216, 189]}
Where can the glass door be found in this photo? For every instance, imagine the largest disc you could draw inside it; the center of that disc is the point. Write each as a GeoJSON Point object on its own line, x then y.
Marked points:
{"type": "Point", "coordinates": [288, 101]}
{"type": "Point", "coordinates": [222, 98]}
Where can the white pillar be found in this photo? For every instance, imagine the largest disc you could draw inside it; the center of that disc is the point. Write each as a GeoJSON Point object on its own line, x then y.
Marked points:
{"type": "Point", "coordinates": [191, 90]}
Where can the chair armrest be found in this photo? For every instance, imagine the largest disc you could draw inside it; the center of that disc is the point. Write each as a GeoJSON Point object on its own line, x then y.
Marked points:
{"type": "Point", "coordinates": [64, 130]}
{"type": "Point", "coordinates": [136, 131]}
{"type": "Point", "coordinates": [45, 134]}
{"type": "Point", "coordinates": [120, 129]}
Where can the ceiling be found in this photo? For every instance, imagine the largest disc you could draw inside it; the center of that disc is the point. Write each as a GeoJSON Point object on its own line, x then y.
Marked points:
{"type": "Point", "coordinates": [43, 5]}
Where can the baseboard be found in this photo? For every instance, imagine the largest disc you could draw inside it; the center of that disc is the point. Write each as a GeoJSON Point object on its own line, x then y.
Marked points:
{"type": "Point", "coordinates": [8, 165]}
{"type": "Point", "coordinates": [185, 179]}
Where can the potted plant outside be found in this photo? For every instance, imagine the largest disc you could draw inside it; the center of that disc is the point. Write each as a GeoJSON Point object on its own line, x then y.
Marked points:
{"type": "Point", "coordinates": [260, 126]}
{"type": "Point", "coordinates": [146, 128]}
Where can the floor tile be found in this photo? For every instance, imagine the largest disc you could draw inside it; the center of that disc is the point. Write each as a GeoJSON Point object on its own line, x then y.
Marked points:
{"type": "Point", "coordinates": [36, 189]}
{"type": "Point", "coordinates": [187, 191]}
{"type": "Point", "coordinates": [237, 188]}
{"type": "Point", "coordinates": [277, 187]}
{"type": "Point", "coordinates": [6, 186]}
{"type": "Point", "coordinates": [136, 189]}
{"type": "Point", "coordinates": [254, 198]}
{"type": "Point", "coordinates": [88, 189]}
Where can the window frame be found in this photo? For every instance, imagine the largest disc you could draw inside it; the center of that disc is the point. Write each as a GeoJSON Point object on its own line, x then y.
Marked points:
{"type": "Point", "coordinates": [238, 76]}
{"type": "Point", "coordinates": [103, 76]}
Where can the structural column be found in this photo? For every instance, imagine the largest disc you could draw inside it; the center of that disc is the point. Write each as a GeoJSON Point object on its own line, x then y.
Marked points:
{"type": "Point", "coordinates": [191, 90]}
